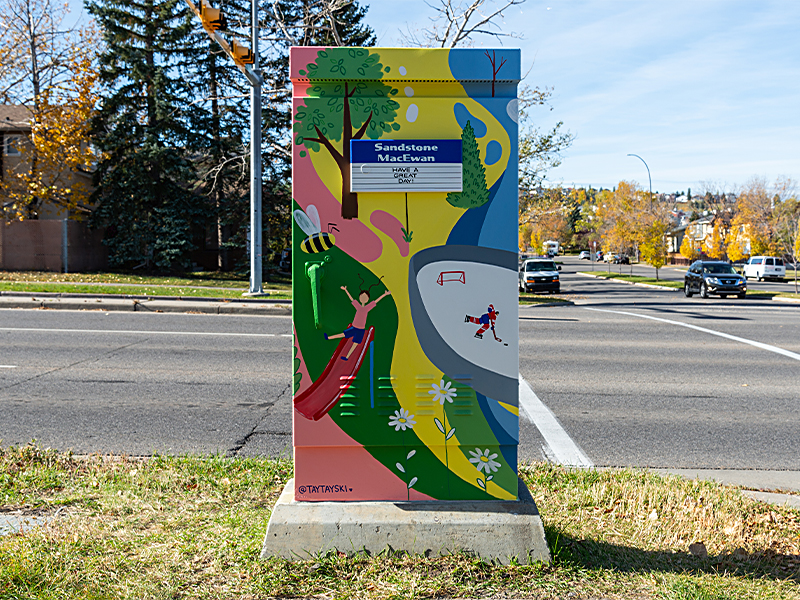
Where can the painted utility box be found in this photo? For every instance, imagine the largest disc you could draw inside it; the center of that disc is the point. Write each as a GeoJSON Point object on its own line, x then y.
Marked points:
{"type": "Point", "coordinates": [404, 264]}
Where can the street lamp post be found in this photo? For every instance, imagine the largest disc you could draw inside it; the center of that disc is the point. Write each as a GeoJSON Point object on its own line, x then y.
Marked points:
{"type": "Point", "coordinates": [650, 182]}
{"type": "Point", "coordinates": [255, 166]}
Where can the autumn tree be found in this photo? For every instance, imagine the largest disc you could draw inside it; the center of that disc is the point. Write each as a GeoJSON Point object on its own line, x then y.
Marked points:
{"type": "Point", "coordinates": [345, 110]}
{"type": "Point", "coordinates": [689, 248]}
{"type": "Point", "coordinates": [46, 68]}
{"type": "Point", "coordinates": [543, 215]}
{"type": "Point", "coordinates": [715, 245]}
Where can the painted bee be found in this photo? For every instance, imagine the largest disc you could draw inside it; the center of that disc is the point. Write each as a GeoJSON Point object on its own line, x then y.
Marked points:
{"type": "Point", "coordinates": [309, 222]}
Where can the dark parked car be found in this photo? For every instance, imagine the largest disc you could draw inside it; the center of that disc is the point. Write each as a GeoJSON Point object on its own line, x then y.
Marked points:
{"type": "Point", "coordinates": [706, 277]}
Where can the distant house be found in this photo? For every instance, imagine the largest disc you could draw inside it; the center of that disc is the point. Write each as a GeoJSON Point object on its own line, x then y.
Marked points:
{"type": "Point", "coordinates": [50, 242]}
{"type": "Point", "coordinates": [15, 131]}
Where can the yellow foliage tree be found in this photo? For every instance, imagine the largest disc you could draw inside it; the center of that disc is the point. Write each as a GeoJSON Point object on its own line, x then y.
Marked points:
{"type": "Point", "coordinates": [653, 244]}
{"type": "Point", "coordinates": [543, 215]}
{"type": "Point", "coordinates": [754, 209]}
{"type": "Point", "coordinates": [715, 243]}
{"type": "Point", "coordinates": [689, 248]}
{"type": "Point", "coordinates": [46, 68]}
{"type": "Point", "coordinates": [737, 241]}
{"type": "Point", "coordinates": [60, 141]}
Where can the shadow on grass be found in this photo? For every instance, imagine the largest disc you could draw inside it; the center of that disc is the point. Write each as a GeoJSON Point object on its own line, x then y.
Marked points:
{"type": "Point", "coordinates": [592, 554]}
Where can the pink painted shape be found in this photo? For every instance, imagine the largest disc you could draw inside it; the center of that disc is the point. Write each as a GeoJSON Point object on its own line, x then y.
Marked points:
{"type": "Point", "coordinates": [352, 467]}
{"type": "Point", "coordinates": [300, 89]}
{"type": "Point", "coordinates": [300, 57]}
{"type": "Point", "coordinates": [353, 237]}
{"type": "Point", "coordinates": [389, 225]}
{"type": "Point", "coordinates": [305, 379]}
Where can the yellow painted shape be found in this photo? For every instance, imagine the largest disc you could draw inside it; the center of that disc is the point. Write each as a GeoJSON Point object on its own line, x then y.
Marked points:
{"type": "Point", "coordinates": [431, 218]}
{"type": "Point", "coordinates": [512, 409]}
{"type": "Point", "coordinates": [420, 63]}
{"type": "Point", "coordinates": [436, 120]}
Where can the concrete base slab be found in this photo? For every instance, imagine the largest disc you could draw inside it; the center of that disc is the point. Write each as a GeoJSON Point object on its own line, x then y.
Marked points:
{"type": "Point", "coordinates": [498, 530]}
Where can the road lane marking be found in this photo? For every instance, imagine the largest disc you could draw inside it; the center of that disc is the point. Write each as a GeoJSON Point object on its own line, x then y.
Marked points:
{"type": "Point", "coordinates": [143, 332]}
{"type": "Point", "coordinates": [8, 366]}
{"type": "Point", "coordinates": [561, 447]}
{"type": "Point", "coordinates": [727, 336]}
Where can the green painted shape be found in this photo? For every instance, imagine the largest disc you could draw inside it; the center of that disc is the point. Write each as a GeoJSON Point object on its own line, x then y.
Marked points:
{"type": "Point", "coordinates": [322, 112]}
{"type": "Point", "coordinates": [473, 431]}
{"type": "Point", "coordinates": [368, 426]}
{"type": "Point", "coordinates": [315, 273]}
{"type": "Point", "coordinates": [474, 191]}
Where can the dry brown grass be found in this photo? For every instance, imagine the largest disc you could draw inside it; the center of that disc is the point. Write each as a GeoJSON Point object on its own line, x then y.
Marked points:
{"type": "Point", "coordinates": [190, 527]}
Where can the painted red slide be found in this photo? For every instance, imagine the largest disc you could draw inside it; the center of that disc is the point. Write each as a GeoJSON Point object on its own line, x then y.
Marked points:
{"type": "Point", "coordinates": [325, 392]}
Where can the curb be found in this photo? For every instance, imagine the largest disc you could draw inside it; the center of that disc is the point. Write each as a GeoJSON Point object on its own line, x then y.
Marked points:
{"type": "Point", "coordinates": [647, 285]}
{"type": "Point", "coordinates": [546, 304]}
{"type": "Point", "coordinates": [784, 299]}
{"type": "Point", "coordinates": [205, 306]}
{"type": "Point", "coordinates": [140, 297]}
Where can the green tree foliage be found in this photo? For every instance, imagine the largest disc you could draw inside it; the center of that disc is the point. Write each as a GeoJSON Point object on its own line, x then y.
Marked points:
{"type": "Point", "coordinates": [345, 110]}
{"type": "Point", "coordinates": [474, 191]}
{"type": "Point", "coordinates": [143, 195]}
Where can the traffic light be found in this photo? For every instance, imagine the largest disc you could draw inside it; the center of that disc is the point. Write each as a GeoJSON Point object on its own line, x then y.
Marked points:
{"type": "Point", "coordinates": [241, 53]}
{"type": "Point", "coordinates": [212, 18]}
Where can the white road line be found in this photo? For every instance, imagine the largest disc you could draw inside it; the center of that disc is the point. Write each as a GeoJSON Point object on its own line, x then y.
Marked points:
{"type": "Point", "coordinates": [561, 447]}
{"type": "Point", "coordinates": [142, 332]}
{"type": "Point", "coordinates": [8, 366]}
{"type": "Point", "coordinates": [734, 338]}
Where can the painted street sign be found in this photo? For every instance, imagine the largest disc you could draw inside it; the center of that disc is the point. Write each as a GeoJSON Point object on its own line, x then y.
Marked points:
{"type": "Point", "coordinates": [405, 165]}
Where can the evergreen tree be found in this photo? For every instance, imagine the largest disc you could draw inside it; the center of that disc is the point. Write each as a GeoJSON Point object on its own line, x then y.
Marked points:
{"type": "Point", "coordinates": [474, 191]}
{"type": "Point", "coordinates": [143, 180]}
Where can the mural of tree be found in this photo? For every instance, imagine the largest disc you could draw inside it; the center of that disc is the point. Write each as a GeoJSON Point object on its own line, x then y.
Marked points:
{"type": "Point", "coordinates": [474, 191]}
{"type": "Point", "coordinates": [345, 110]}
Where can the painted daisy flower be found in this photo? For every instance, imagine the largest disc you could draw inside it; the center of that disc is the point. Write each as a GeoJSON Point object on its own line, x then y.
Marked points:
{"type": "Point", "coordinates": [402, 420]}
{"type": "Point", "coordinates": [484, 461]}
{"type": "Point", "coordinates": [443, 392]}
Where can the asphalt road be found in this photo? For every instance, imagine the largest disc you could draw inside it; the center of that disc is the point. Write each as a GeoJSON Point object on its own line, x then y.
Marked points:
{"type": "Point", "coordinates": [627, 389]}
{"type": "Point", "coordinates": [631, 390]}
{"type": "Point", "coordinates": [141, 383]}
{"type": "Point", "coordinates": [673, 274]}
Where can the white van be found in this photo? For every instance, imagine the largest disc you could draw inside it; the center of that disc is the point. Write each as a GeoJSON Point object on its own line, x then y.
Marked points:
{"type": "Point", "coordinates": [765, 267]}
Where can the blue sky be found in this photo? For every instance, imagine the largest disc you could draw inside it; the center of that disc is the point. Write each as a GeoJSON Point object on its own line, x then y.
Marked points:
{"type": "Point", "coordinates": [705, 91]}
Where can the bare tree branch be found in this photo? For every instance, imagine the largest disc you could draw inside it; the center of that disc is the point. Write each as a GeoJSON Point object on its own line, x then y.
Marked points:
{"type": "Point", "coordinates": [457, 21]}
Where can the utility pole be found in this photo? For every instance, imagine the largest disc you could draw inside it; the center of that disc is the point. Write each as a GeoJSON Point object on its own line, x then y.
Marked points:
{"type": "Point", "coordinates": [255, 165]}
{"type": "Point", "coordinates": [213, 20]}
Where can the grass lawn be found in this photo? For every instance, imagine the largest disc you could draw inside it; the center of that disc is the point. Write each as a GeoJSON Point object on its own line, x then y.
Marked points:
{"type": "Point", "coordinates": [636, 279]}
{"type": "Point", "coordinates": [200, 279]}
{"type": "Point", "coordinates": [189, 527]}
{"type": "Point", "coordinates": [526, 298]}
{"type": "Point", "coordinates": [139, 290]}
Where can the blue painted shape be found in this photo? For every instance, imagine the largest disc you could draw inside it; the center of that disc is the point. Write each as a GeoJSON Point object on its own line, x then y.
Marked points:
{"type": "Point", "coordinates": [504, 426]}
{"type": "Point", "coordinates": [463, 115]}
{"type": "Point", "coordinates": [467, 231]}
{"type": "Point", "coordinates": [372, 374]}
{"type": "Point", "coordinates": [494, 152]}
{"type": "Point", "coordinates": [421, 151]}
{"type": "Point", "coordinates": [473, 69]}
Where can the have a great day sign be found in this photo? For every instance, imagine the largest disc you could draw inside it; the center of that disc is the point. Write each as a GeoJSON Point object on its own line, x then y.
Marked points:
{"type": "Point", "coordinates": [405, 166]}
